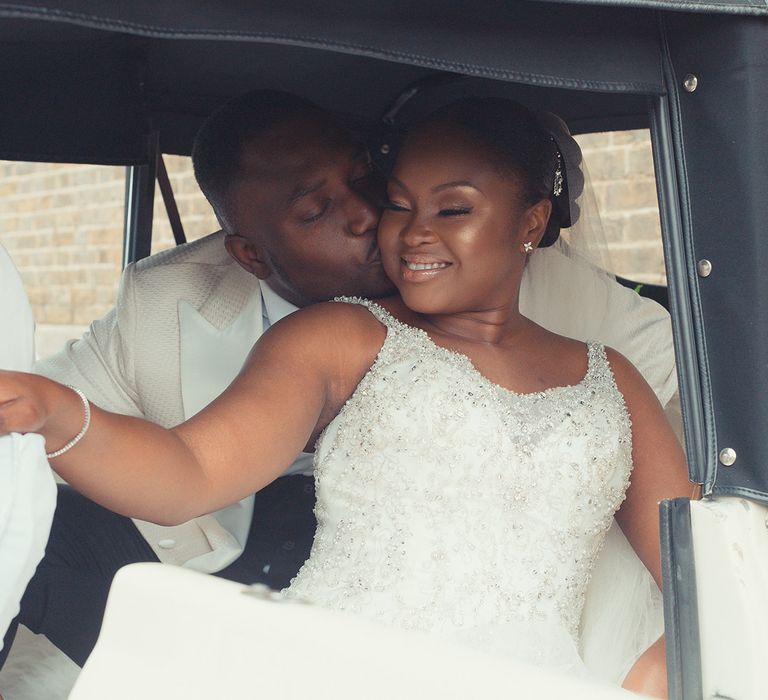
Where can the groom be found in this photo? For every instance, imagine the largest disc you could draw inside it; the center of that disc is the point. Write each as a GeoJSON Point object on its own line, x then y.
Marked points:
{"type": "Point", "coordinates": [296, 202]}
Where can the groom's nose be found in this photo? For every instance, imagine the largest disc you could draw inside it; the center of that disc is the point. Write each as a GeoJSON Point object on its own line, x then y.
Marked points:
{"type": "Point", "coordinates": [362, 214]}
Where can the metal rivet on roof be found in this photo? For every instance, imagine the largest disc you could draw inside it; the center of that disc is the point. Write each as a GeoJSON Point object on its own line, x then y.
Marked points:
{"type": "Point", "coordinates": [727, 456]}
{"type": "Point", "coordinates": [704, 268]}
{"type": "Point", "coordinates": [690, 82]}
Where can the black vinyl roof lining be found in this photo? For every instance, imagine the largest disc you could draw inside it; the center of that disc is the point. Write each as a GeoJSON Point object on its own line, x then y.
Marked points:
{"type": "Point", "coordinates": [111, 71]}
{"type": "Point", "coordinates": [196, 19]}
{"type": "Point", "coordinates": [523, 42]}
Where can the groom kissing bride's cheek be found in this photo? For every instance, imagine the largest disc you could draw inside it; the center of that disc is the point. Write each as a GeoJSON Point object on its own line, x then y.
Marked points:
{"type": "Point", "coordinates": [473, 426]}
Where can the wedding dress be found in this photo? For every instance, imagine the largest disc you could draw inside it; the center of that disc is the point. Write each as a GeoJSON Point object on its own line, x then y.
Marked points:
{"type": "Point", "coordinates": [453, 506]}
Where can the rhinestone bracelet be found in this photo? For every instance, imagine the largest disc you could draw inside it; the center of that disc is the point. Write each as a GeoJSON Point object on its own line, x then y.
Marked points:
{"type": "Point", "coordinates": [83, 430]}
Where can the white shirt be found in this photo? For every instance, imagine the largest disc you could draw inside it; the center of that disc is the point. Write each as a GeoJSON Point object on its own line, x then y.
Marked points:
{"type": "Point", "coordinates": [27, 488]}
{"type": "Point", "coordinates": [274, 307]}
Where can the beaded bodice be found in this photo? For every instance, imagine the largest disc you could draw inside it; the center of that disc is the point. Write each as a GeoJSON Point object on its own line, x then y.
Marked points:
{"type": "Point", "coordinates": [445, 501]}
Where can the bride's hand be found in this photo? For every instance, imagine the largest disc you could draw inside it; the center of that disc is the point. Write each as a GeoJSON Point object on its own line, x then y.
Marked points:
{"type": "Point", "coordinates": [22, 403]}
{"type": "Point", "coordinates": [30, 403]}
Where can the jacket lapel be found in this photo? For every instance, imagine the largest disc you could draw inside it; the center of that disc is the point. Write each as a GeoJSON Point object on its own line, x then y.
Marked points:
{"type": "Point", "coordinates": [214, 341]}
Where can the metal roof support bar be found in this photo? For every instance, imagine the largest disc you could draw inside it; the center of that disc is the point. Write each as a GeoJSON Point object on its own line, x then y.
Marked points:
{"type": "Point", "coordinates": [139, 203]}
{"type": "Point", "coordinates": [171, 209]}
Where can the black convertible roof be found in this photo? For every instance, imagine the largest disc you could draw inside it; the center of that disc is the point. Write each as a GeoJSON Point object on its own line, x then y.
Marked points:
{"type": "Point", "coordinates": [86, 80]}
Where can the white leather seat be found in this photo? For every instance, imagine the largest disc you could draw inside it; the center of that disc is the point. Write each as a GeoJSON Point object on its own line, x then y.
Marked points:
{"type": "Point", "coordinates": [730, 545]}
{"type": "Point", "coordinates": [27, 502]}
{"type": "Point", "coordinates": [172, 633]}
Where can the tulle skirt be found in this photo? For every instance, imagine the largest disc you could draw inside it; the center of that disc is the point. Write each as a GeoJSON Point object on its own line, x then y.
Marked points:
{"type": "Point", "coordinates": [622, 617]}
{"type": "Point", "coordinates": [623, 614]}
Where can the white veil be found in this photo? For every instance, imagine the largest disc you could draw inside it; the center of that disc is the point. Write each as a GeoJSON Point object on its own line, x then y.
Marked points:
{"type": "Point", "coordinates": [582, 235]}
{"type": "Point", "coordinates": [623, 611]}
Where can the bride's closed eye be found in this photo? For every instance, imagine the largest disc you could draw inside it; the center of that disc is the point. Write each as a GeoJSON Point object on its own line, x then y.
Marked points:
{"type": "Point", "coordinates": [389, 205]}
{"type": "Point", "coordinates": [454, 211]}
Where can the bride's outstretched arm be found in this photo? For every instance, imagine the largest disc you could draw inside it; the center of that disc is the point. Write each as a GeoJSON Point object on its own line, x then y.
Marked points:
{"type": "Point", "coordinates": [659, 473]}
{"type": "Point", "coordinates": [296, 378]}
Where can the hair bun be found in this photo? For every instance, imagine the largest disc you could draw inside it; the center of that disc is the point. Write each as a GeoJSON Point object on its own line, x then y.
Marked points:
{"type": "Point", "coordinates": [565, 210]}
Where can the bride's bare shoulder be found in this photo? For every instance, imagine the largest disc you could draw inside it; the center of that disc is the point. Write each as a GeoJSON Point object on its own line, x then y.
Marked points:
{"type": "Point", "coordinates": [328, 329]}
{"type": "Point", "coordinates": [630, 382]}
{"type": "Point", "coordinates": [335, 316]}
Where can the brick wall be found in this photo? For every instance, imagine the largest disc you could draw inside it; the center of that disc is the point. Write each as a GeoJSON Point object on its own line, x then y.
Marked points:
{"type": "Point", "coordinates": [62, 225]}
{"type": "Point", "coordinates": [620, 166]}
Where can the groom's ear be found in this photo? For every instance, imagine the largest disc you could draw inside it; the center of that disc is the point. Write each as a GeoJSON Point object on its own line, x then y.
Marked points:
{"type": "Point", "coordinates": [536, 219]}
{"type": "Point", "coordinates": [248, 255]}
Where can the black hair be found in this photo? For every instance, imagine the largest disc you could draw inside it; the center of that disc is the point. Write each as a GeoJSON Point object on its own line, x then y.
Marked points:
{"type": "Point", "coordinates": [219, 145]}
{"type": "Point", "coordinates": [518, 145]}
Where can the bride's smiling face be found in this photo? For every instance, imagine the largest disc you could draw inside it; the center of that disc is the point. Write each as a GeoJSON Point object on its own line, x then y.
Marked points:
{"type": "Point", "coordinates": [452, 233]}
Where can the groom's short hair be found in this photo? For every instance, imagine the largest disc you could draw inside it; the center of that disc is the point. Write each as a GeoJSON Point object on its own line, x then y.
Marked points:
{"type": "Point", "coordinates": [219, 145]}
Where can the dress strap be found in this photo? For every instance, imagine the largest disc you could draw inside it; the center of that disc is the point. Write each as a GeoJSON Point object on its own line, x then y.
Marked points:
{"type": "Point", "coordinates": [381, 314]}
{"type": "Point", "coordinates": [598, 366]}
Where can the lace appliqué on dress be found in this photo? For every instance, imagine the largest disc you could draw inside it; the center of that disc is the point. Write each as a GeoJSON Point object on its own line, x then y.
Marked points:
{"type": "Point", "coordinates": [449, 504]}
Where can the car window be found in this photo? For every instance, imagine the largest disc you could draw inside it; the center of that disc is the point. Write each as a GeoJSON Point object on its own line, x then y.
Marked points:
{"type": "Point", "coordinates": [620, 166]}
{"type": "Point", "coordinates": [196, 214]}
{"type": "Point", "coordinates": [63, 226]}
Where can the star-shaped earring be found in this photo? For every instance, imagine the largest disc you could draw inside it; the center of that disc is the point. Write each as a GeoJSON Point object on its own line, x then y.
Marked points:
{"type": "Point", "coordinates": [528, 247]}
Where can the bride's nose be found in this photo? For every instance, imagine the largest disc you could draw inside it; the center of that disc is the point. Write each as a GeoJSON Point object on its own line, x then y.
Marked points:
{"type": "Point", "coordinates": [416, 232]}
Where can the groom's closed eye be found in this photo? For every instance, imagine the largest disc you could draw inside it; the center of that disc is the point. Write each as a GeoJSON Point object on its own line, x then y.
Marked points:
{"type": "Point", "coordinates": [316, 213]}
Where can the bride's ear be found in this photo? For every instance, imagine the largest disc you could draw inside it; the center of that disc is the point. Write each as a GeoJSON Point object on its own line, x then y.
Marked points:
{"type": "Point", "coordinates": [536, 219]}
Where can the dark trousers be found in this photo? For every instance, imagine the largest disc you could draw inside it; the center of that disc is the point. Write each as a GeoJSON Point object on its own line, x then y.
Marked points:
{"type": "Point", "coordinates": [65, 599]}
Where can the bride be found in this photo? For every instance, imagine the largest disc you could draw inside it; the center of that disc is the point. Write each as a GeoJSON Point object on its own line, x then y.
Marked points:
{"type": "Point", "coordinates": [468, 462]}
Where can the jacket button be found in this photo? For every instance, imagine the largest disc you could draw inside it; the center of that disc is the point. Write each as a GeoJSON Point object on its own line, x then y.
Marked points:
{"type": "Point", "coordinates": [166, 544]}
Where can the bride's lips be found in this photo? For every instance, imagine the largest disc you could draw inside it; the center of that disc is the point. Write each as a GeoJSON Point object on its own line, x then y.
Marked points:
{"type": "Point", "coordinates": [420, 268]}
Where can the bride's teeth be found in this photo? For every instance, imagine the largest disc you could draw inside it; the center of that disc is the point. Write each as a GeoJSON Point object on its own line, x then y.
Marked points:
{"type": "Point", "coordinates": [425, 266]}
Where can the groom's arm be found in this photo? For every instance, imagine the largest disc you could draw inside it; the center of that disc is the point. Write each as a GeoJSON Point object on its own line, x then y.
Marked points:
{"type": "Point", "coordinates": [572, 298]}
{"type": "Point", "coordinates": [101, 363]}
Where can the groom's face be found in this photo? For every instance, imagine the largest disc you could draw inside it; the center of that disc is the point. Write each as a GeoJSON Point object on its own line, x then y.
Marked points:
{"type": "Point", "coordinates": [303, 215]}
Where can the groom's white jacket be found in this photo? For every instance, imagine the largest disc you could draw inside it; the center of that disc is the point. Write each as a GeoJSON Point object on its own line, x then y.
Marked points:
{"type": "Point", "coordinates": [186, 318]}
